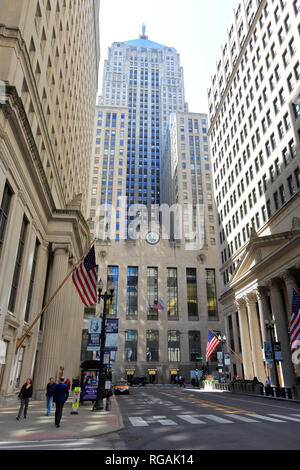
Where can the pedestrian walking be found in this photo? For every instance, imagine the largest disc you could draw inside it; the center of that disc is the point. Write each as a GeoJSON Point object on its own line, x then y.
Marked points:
{"type": "Point", "coordinates": [68, 383]}
{"type": "Point", "coordinates": [49, 395]}
{"type": "Point", "coordinates": [61, 394]}
{"type": "Point", "coordinates": [25, 395]}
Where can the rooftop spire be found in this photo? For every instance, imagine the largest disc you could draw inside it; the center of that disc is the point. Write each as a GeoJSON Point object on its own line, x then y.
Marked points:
{"type": "Point", "coordinates": [143, 35]}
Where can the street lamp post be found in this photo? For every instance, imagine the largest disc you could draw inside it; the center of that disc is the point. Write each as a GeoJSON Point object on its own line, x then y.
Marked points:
{"type": "Point", "coordinates": [98, 405]}
{"type": "Point", "coordinates": [270, 326]}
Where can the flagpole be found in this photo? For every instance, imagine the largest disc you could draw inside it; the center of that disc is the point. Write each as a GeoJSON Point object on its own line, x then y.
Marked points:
{"type": "Point", "coordinates": [21, 340]}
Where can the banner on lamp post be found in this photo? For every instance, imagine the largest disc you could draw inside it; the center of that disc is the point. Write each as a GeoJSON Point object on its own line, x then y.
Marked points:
{"type": "Point", "coordinates": [94, 333]}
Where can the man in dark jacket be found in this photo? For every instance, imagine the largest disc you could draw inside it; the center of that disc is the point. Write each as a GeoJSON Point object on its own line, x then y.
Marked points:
{"type": "Point", "coordinates": [50, 394]}
{"type": "Point", "coordinates": [61, 394]}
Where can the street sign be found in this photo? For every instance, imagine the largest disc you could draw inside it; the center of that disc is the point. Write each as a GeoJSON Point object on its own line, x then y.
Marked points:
{"type": "Point", "coordinates": [227, 358]}
{"type": "Point", "coordinates": [277, 351]}
{"type": "Point", "coordinates": [268, 351]}
{"type": "Point", "coordinates": [94, 334]}
{"type": "Point", "coordinates": [220, 359]}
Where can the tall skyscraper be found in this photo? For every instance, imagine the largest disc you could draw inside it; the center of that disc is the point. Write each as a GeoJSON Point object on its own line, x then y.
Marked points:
{"type": "Point", "coordinates": [147, 78]}
{"type": "Point", "coordinates": [49, 57]}
{"type": "Point", "coordinates": [166, 287]}
{"type": "Point", "coordinates": [254, 132]}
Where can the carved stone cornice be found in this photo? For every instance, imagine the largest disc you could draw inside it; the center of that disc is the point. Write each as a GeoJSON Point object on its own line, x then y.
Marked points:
{"type": "Point", "coordinates": [261, 292]}
{"type": "Point", "coordinates": [240, 303]}
{"type": "Point", "coordinates": [61, 246]}
{"type": "Point", "coordinates": [251, 298]}
{"type": "Point", "coordinates": [274, 283]}
{"type": "Point", "coordinates": [288, 277]}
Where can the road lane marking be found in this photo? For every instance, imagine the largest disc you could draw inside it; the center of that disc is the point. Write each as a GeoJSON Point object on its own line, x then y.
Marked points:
{"type": "Point", "coordinates": [289, 418]}
{"type": "Point", "coordinates": [216, 406]}
{"type": "Point", "coordinates": [167, 422]}
{"type": "Point", "coordinates": [217, 419]}
{"type": "Point", "coordinates": [191, 419]}
{"type": "Point", "coordinates": [138, 421]}
{"type": "Point", "coordinates": [267, 418]}
{"type": "Point", "coordinates": [244, 419]}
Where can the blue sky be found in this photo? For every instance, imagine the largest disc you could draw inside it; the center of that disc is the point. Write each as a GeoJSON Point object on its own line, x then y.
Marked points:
{"type": "Point", "coordinates": [196, 28]}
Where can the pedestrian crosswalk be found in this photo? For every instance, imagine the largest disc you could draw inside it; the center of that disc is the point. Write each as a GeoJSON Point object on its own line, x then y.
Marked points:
{"type": "Point", "coordinates": [204, 419]}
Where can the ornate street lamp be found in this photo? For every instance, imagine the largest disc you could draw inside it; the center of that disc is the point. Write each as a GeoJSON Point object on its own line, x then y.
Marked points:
{"type": "Point", "coordinates": [108, 295]}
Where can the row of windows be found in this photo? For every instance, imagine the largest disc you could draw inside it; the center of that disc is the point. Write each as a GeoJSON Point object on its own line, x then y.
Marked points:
{"type": "Point", "coordinates": [171, 303]}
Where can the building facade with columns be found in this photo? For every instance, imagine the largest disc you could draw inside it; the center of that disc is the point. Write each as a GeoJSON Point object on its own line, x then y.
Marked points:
{"type": "Point", "coordinates": [49, 76]}
{"type": "Point", "coordinates": [254, 133]}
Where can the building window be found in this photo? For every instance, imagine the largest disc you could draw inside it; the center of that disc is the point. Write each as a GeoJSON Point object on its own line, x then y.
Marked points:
{"type": "Point", "coordinates": [194, 345]}
{"type": "Point", "coordinates": [15, 282]}
{"type": "Point", "coordinates": [211, 293]}
{"type": "Point", "coordinates": [132, 292]}
{"type": "Point", "coordinates": [192, 301]}
{"type": "Point", "coordinates": [173, 346]}
{"type": "Point", "coordinates": [152, 293]}
{"type": "Point", "coordinates": [4, 212]}
{"type": "Point", "coordinates": [172, 290]}
{"type": "Point", "coordinates": [131, 342]}
{"type": "Point", "coordinates": [112, 278]}
{"type": "Point", "coordinates": [152, 346]}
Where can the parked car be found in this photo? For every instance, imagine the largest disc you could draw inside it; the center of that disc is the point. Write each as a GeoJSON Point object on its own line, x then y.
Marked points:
{"type": "Point", "coordinates": [121, 387]}
{"type": "Point", "coordinates": [141, 380]}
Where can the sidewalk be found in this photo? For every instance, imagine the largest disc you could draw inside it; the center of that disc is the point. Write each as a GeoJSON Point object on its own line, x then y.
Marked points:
{"type": "Point", "coordinates": [38, 426]}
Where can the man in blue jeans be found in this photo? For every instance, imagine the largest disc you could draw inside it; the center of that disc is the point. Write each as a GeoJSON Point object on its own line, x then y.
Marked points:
{"type": "Point", "coordinates": [61, 394]}
{"type": "Point", "coordinates": [49, 394]}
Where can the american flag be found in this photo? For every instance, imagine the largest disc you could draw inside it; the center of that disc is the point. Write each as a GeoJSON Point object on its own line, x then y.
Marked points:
{"type": "Point", "coordinates": [85, 279]}
{"type": "Point", "coordinates": [295, 321]}
{"type": "Point", "coordinates": [211, 345]}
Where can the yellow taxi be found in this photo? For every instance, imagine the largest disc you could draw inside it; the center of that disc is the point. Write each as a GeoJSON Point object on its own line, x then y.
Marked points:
{"type": "Point", "coordinates": [121, 387]}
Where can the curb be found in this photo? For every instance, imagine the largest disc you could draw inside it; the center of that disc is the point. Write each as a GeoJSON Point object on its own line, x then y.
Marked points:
{"type": "Point", "coordinates": [289, 400]}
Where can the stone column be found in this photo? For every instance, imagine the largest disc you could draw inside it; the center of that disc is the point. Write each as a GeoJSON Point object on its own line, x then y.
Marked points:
{"type": "Point", "coordinates": [282, 333]}
{"type": "Point", "coordinates": [264, 311]}
{"type": "Point", "coordinates": [265, 314]}
{"type": "Point", "coordinates": [50, 357]}
{"type": "Point", "coordinates": [245, 339]}
{"type": "Point", "coordinates": [257, 356]}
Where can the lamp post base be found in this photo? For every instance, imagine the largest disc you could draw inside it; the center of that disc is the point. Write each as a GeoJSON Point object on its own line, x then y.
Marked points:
{"type": "Point", "coordinates": [98, 405]}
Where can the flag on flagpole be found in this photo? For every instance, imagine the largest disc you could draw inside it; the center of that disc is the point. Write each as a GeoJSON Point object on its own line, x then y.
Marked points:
{"type": "Point", "coordinates": [157, 305]}
{"type": "Point", "coordinates": [162, 304]}
{"type": "Point", "coordinates": [295, 321]}
{"type": "Point", "coordinates": [211, 345]}
{"type": "Point", "coordinates": [85, 279]}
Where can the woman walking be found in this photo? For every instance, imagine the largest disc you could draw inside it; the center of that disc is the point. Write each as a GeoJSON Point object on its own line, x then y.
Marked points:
{"type": "Point", "coordinates": [25, 395]}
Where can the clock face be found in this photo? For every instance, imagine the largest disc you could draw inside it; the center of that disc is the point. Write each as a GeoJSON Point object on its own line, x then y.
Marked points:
{"type": "Point", "coordinates": [152, 238]}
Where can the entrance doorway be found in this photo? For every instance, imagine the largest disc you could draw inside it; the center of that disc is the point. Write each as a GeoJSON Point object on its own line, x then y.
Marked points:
{"type": "Point", "coordinates": [152, 375]}
{"type": "Point", "coordinates": [174, 373]}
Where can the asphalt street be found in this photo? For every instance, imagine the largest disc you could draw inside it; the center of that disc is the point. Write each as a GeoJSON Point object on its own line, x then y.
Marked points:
{"type": "Point", "coordinates": [174, 418]}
